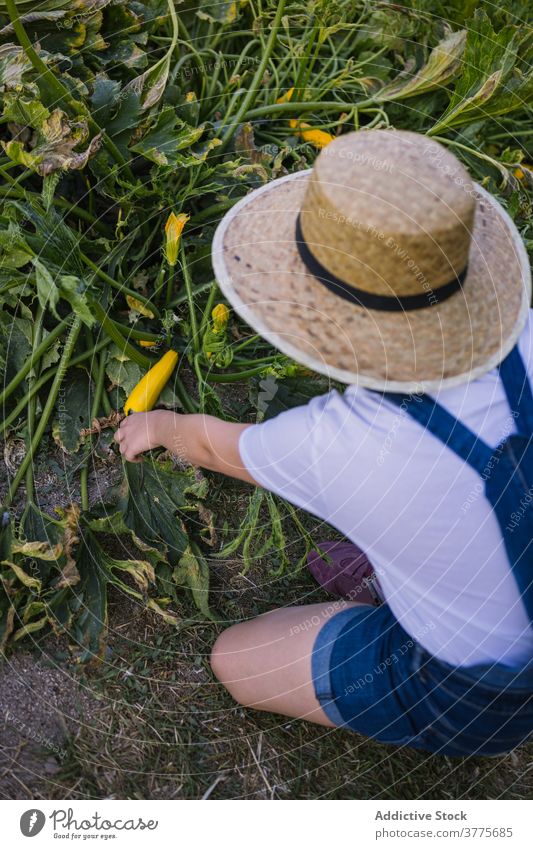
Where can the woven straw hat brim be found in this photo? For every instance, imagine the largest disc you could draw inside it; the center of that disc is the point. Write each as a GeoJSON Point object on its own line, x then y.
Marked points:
{"type": "Point", "coordinates": [258, 267]}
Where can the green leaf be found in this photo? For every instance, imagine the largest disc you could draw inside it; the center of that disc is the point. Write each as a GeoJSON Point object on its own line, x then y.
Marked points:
{"type": "Point", "coordinates": [72, 410]}
{"type": "Point", "coordinates": [27, 113]}
{"type": "Point", "coordinates": [489, 59]}
{"type": "Point", "coordinates": [150, 85]}
{"type": "Point", "coordinates": [73, 290]}
{"type": "Point", "coordinates": [104, 98]}
{"type": "Point", "coordinates": [14, 250]}
{"type": "Point", "coordinates": [443, 63]}
{"type": "Point", "coordinates": [113, 523]}
{"type": "Point", "coordinates": [23, 577]}
{"type": "Point", "coordinates": [169, 134]}
{"type": "Point", "coordinates": [91, 621]}
{"type": "Point", "coordinates": [193, 572]}
{"type": "Point", "coordinates": [47, 291]}
{"type": "Point", "coordinates": [219, 12]}
{"type": "Point", "coordinates": [154, 499]}
{"type": "Point", "coordinates": [150, 498]}
{"type": "Point", "coordinates": [17, 345]}
{"type": "Point", "coordinates": [122, 371]}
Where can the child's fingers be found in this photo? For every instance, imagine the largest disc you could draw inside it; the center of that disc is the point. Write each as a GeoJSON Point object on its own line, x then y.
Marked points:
{"type": "Point", "coordinates": [133, 458]}
{"type": "Point", "coordinates": [128, 453]}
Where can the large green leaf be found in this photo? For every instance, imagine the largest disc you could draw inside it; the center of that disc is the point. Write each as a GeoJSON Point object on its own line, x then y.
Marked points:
{"type": "Point", "coordinates": [193, 572]}
{"type": "Point", "coordinates": [443, 63]}
{"type": "Point", "coordinates": [485, 87]}
{"type": "Point", "coordinates": [73, 410]}
{"type": "Point", "coordinates": [150, 85]}
{"type": "Point", "coordinates": [155, 499]}
{"type": "Point", "coordinates": [162, 142]}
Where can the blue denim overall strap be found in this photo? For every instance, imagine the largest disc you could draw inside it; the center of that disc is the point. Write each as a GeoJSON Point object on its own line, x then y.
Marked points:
{"type": "Point", "coordinates": [507, 470]}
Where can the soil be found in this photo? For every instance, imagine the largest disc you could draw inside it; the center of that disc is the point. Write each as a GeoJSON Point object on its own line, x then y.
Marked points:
{"type": "Point", "coordinates": [42, 704]}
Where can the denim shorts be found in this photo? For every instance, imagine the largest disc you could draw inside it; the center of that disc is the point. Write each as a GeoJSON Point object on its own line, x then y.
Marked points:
{"type": "Point", "coordinates": [372, 677]}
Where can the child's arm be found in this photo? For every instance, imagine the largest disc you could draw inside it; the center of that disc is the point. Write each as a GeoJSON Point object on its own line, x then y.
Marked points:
{"type": "Point", "coordinates": [198, 439]}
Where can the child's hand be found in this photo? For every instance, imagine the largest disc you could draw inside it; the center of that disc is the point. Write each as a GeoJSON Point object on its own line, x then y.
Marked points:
{"type": "Point", "coordinates": [139, 432]}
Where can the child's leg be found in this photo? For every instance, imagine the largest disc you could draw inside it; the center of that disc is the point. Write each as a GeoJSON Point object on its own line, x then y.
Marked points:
{"type": "Point", "coordinates": [265, 663]}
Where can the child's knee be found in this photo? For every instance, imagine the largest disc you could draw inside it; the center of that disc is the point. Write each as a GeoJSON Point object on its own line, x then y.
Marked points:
{"type": "Point", "coordinates": [221, 656]}
{"type": "Point", "coordinates": [225, 663]}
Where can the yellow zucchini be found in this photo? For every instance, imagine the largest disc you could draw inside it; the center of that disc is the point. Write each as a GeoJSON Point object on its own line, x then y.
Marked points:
{"type": "Point", "coordinates": [144, 396]}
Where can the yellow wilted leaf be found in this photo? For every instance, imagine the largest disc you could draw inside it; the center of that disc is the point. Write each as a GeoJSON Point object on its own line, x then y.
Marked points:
{"type": "Point", "coordinates": [23, 576]}
{"type": "Point", "coordinates": [41, 550]}
{"type": "Point", "coordinates": [169, 618]}
{"type": "Point", "coordinates": [30, 629]}
{"type": "Point", "coordinates": [139, 306]}
{"type": "Point", "coordinates": [443, 63]}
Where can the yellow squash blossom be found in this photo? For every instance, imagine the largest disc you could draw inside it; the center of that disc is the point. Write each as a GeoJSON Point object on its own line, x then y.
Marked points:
{"type": "Point", "coordinates": [144, 396]}
{"type": "Point", "coordinates": [519, 172]}
{"type": "Point", "coordinates": [318, 138]}
{"type": "Point", "coordinates": [220, 316]}
{"type": "Point", "coordinates": [286, 97]}
{"type": "Point", "coordinates": [138, 306]}
{"type": "Point", "coordinates": [173, 230]}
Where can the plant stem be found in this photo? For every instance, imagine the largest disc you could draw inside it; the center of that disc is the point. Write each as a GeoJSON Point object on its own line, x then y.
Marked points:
{"type": "Point", "coordinates": [40, 350]}
{"type": "Point", "coordinates": [209, 211]}
{"type": "Point", "coordinates": [119, 340]}
{"type": "Point", "coordinates": [308, 106]}
{"type": "Point", "coordinates": [298, 85]}
{"type": "Point", "coordinates": [196, 290]}
{"type": "Point", "coordinates": [234, 377]}
{"type": "Point", "coordinates": [119, 286]}
{"type": "Point", "coordinates": [130, 332]}
{"type": "Point", "coordinates": [253, 88]}
{"type": "Point", "coordinates": [207, 309]}
{"type": "Point", "coordinates": [160, 282]}
{"type": "Point", "coordinates": [190, 300]}
{"type": "Point", "coordinates": [171, 276]}
{"type": "Point", "coordinates": [246, 342]}
{"type": "Point", "coordinates": [201, 380]}
{"type": "Point", "coordinates": [272, 358]}
{"type": "Point", "coordinates": [44, 378]}
{"type": "Point", "coordinates": [98, 389]}
{"type": "Point", "coordinates": [68, 348]}
{"type": "Point", "coordinates": [188, 404]}
{"type": "Point", "coordinates": [37, 333]}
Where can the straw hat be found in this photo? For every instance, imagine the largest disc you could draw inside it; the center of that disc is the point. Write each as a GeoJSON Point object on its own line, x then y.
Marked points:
{"type": "Point", "coordinates": [384, 265]}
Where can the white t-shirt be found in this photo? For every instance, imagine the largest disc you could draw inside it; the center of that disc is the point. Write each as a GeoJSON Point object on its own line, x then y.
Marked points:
{"type": "Point", "coordinates": [417, 510]}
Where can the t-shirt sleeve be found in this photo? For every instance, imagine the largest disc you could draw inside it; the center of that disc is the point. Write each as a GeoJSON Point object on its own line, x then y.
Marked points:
{"type": "Point", "coordinates": [285, 454]}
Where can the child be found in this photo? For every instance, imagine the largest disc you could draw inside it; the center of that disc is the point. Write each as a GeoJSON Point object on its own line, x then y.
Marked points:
{"type": "Point", "coordinates": [385, 268]}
